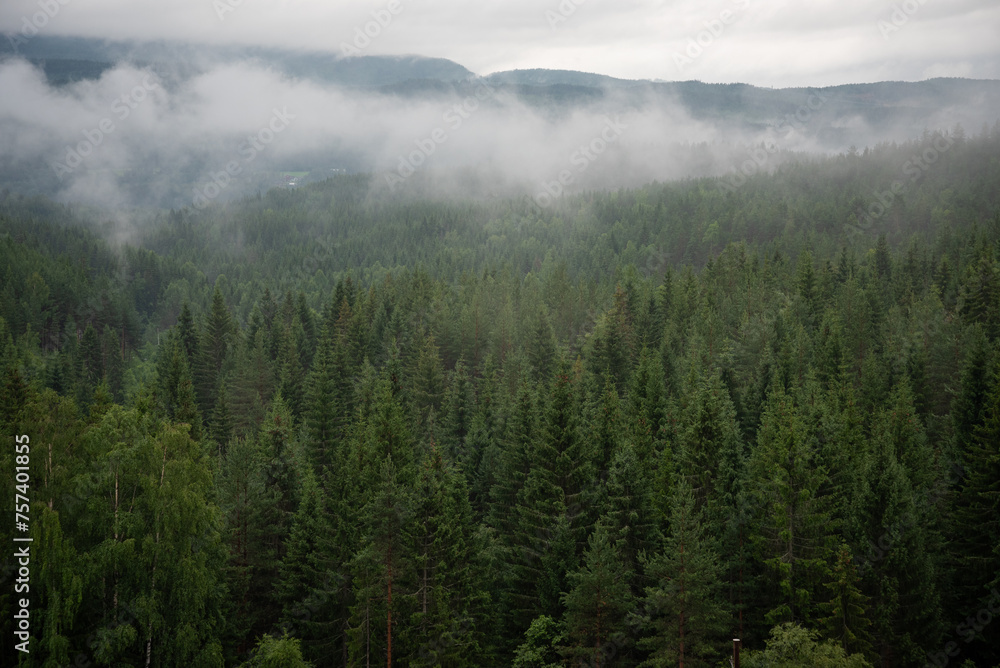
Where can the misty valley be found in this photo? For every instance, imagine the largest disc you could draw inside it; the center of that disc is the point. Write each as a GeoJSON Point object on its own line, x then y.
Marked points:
{"type": "Point", "coordinates": [317, 360]}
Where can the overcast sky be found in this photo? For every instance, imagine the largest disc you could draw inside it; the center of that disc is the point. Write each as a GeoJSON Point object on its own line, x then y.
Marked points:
{"type": "Point", "coordinates": [775, 43]}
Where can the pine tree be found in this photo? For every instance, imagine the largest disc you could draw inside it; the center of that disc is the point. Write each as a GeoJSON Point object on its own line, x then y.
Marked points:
{"type": "Point", "coordinates": [253, 383]}
{"type": "Point", "coordinates": [615, 343]}
{"type": "Point", "coordinates": [541, 348]}
{"type": "Point", "coordinates": [845, 617]}
{"type": "Point", "coordinates": [968, 406]}
{"type": "Point", "coordinates": [304, 588]}
{"type": "Point", "coordinates": [485, 438]}
{"type": "Point", "coordinates": [794, 533]}
{"type": "Point", "coordinates": [709, 454]}
{"type": "Point", "coordinates": [598, 603]}
{"type": "Point", "coordinates": [607, 424]}
{"type": "Point", "coordinates": [515, 464]}
{"type": "Point", "coordinates": [90, 355]}
{"type": "Point", "coordinates": [457, 410]}
{"type": "Point", "coordinates": [900, 537]}
{"type": "Point", "coordinates": [684, 607]}
{"type": "Point", "coordinates": [322, 417]}
{"type": "Point", "coordinates": [216, 343]}
{"type": "Point", "coordinates": [187, 408]}
{"type": "Point", "coordinates": [646, 409]}
{"type": "Point", "coordinates": [447, 601]}
{"type": "Point", "coordinates": [289, 369]}
{"type": "Point", "coordinates": [382, 570]}
{"type": "Point", "coordinates": [221, 428]}
{"type": "Point", "coordinates": [630, 515]}
{"type": "Point", "coordinates": [245, 504]}
{"type": "Point", "coordinates": [114, 364]}
{"type": "Point", "coordinates": [189, 335]}
{"type": "Point", "coordinates": [427, 380]}
{"type": "Point", "coordinates": [975, 535]}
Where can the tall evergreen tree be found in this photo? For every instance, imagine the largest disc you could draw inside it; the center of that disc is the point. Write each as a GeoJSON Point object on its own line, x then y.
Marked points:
{"type": "Point", "coordinates": [845, 617]}
{"type": "Point", "coordinates": [598, 603]}
{"type": "Point", "coordinates": [217, 339]}
{"type": "Point", "coordinates": [794, 533]}
{"type": "Point", "coordinates": [686, 616]}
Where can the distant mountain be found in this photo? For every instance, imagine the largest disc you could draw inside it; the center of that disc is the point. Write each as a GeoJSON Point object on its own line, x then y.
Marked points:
{"type": "Point", "coordinates": [68, 59]}
{"type": "Point", "coordinates": [904, 106]}
{"type": "Point", "coordinates": [672, 115]}
{"type": "Point", "coordinates": [541, 77]}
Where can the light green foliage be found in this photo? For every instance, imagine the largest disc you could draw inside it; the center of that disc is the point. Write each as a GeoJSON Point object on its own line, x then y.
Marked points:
{"type": "Point", "coordinates": [274, 652]}
{"type": "Point", "coordinates": [540, 646]}
{"type": "Point", "coordinates": [791, 646]}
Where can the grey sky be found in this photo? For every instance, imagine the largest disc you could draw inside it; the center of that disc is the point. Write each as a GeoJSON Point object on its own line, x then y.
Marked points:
{"type": "Point", "coordinates": [764, 42]}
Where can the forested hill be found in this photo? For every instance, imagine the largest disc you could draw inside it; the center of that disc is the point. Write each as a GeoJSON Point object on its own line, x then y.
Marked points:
{"type": "Point", "coordinates": [346, 426]}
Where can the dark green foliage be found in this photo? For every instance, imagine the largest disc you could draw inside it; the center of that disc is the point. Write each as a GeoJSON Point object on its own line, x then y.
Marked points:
{"type": "Point", "coordinates": [846, 620]}
{"type": "Point", "coordinates": [794, 532]}
{"type": "Point", "coordinates": [597, 603]}
{"type": "Point", "coordinates": [493, 412]}
{"type": "Point", "coordinates": [686, 617]}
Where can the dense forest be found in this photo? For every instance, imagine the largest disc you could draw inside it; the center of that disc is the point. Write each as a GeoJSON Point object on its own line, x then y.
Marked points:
{"type": "Point", "coordinates": [342, 426]}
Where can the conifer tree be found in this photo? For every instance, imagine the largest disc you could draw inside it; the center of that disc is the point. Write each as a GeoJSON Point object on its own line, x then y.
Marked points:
{"type": "Point", "coordinates": [221, 428]}
{"type": "Point", "coordinates": [322, 417]}
{"type": "Point", "coordinates": [91, 357]}
{"type": "Point", "coordinates": [646, 409]}
{"type": "Point", "coordinates": [253, 383]}
{"type": "Point", "coordinates": [607, 424]}
{"type": "Point", "coordinates": [630, 516]}
{"type": "Point", "coordinates": [114, 364]}
{"type": "Point", "coordinates": [304, 587]}
{"type": "Point", "coordinates": [845, 617]}
{"type": "Point", "coordinates": [188, 333]}
{"type": "Point", "coordinates": [900, 538]}
{"type": "Point", "coordinates": [686, 616]}
{"type": "Point", "coordinates": [515, 464]}
{"type": "Point", "coordinates": [383, 570]}
{"type": "Point", "coordinates": [457, 409]}
{"type": "Point", "coordinates": [289, 370]}
{"type": "Point", "coordinates": [485, 438]}
{"type": "Point", "coordinates": [216, 342]}
{"type": "Point", "coordinates": [447, 602]}
{"type": "Point", "coordinates": [794, 532]}
{"type": "Point", "coordinates": [598, 602]}
{"type": "Point", "coordinates": [427, 380]}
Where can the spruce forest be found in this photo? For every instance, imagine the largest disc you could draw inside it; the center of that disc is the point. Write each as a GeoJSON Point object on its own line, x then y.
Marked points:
{"type": "Point", "coordinates": [342, 426]}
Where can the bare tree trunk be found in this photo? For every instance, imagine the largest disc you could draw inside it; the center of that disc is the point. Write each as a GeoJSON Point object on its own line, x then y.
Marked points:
{"type": "Point", "coordinates": [683, 603]}
{"type": "Point", "coordinates": [388, 663]}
